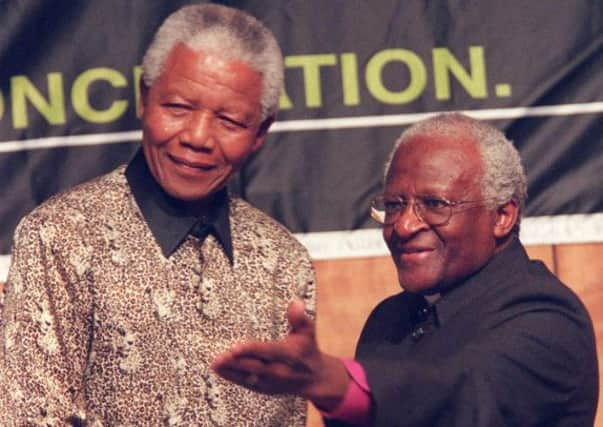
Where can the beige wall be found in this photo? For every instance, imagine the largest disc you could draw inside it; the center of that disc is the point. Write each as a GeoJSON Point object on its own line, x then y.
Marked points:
{"type": "Point", "coordinates": [348, 290]}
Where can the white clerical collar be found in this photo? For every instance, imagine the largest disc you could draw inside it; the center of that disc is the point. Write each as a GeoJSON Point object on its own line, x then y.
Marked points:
{"type": "Point", "coordinates": [431, 299]}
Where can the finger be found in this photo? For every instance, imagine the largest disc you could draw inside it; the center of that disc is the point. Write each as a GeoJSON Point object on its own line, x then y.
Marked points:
{"type": "Point", "coordinates": [249, 364]}
{"type": "Point", "coordinates": [233, 375]}
{"type": "Point", "coordinates": [284, 372]}
{"type": "Point", "coordinates": [274, 378]}
{"type": "Point", "coordinates": [260, 350]}
{"type": "Point", "coordinates": [248, 380]}
{"type": "Point", "coordinates": [266, 352]}
{"type": "Point", "coordinates": [278, 366]}
{"type": "Point", "coordinates": [237, 371]}
{"type": "Point", "coordinates": [246, 358]}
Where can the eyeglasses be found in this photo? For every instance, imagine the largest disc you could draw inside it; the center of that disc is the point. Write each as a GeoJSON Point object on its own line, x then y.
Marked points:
{"type": "Point", "coordinates": [430, 209]}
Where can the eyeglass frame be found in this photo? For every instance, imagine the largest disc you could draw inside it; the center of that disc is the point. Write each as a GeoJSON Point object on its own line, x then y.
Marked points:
{"type": "Point", "coordinates": [413, 202]}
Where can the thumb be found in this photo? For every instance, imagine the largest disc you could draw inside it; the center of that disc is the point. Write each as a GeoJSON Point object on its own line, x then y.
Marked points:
{"type": "Point", "coordinates": [299, 321]}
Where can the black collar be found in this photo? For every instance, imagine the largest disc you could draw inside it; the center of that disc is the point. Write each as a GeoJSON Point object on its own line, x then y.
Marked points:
{"type": "Point", "coordinates": [169, 220]}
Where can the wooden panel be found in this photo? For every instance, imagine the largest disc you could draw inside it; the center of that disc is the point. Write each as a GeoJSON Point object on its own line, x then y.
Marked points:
{"type": "Point", "coordinates": [544, 253]}
{"type": "Point", "coordinates": [581, 268]}
{"type": "Point", "coordinates": [347, 292]}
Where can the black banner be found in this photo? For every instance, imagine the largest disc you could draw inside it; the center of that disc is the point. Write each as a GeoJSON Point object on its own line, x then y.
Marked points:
{"type": "Point", "coordinates": [357, 72]}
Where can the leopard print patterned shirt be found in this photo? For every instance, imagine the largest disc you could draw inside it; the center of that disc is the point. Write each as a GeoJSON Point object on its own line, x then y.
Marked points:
{"type": "Point", "coordinates": [100, 329]}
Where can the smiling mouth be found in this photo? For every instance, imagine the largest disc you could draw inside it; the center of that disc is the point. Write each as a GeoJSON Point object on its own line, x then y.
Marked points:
{"type": "Point", "coordinates": [414, 250]}
{"type": "Point", "coordinates": [413, 254]}
{"type": "Point", "coordinates": [187, 164]}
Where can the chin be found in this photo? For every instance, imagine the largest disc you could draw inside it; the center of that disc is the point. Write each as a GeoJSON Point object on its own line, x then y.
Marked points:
{"type": "Point", "coordinates": [183, 195]}
{"type": "Point", "coordinates": [183, 192]}
{"type": "Point", "coordinates": [191, 198]}
{"type": "Point", "coordinates": [418, 283]}
{"type": "Point", "coordinates": [419, 288]}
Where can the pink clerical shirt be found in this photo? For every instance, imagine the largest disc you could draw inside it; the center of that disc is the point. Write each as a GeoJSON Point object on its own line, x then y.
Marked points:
{"type": "Point", "coordinates": [355, 408]}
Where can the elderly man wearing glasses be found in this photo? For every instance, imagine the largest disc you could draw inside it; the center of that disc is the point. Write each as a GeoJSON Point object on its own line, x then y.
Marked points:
{"type": "Point", "coordinates": [480, 336]}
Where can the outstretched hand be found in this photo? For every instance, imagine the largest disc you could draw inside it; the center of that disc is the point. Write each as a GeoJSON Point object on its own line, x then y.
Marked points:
{"type": "Point", "coordinates": [293, 365]}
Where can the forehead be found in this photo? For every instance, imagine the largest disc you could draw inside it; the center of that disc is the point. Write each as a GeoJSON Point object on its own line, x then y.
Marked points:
{"type": "Point", "coordinates": [436, 164]}
{"type": "Point", "coordinates": [204, 67]}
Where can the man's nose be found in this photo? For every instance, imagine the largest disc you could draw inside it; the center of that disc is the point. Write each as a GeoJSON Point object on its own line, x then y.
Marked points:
{"type": "Point", "coordinates": [199, 133]}
{"type": "Point", "coordinates": [408, 222]}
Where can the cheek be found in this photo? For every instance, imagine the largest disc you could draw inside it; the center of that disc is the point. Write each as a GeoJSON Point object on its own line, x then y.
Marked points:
{"type": "Point", "coordinates": [236, 150]}
{"type": "Point", "coordinates": [467, 252]}
{"type": "Point", "coordinates": [387, 234]}
{"type": "Point", "coordinates": [459, 262]}
{"type": "Point", "coordinates": [159, 128]}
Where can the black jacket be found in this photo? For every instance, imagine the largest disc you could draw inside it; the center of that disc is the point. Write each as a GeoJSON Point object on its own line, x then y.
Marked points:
{"type": "Point", "coordinates": [511, 346]}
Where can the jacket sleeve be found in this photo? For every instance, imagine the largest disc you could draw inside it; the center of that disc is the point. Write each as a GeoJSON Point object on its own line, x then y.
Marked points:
{"type": "Point", "coordinates": [46, 325]}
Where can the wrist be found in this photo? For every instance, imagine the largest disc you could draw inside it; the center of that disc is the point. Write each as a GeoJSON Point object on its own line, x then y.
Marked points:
{"type": "Point", "coordinates": [330, 386]}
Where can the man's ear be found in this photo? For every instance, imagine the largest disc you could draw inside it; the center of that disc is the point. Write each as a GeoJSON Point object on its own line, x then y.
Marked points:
{"type": "Point", "coordinates": [144, 93]}
{"type": "Point", "coordinates": [263, 131]}
{"type": "Point", "coordinates": [506, 218]}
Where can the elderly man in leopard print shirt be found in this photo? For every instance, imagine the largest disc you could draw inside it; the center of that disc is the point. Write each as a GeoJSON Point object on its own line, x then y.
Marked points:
{"type": "Point", "coordinates": [123, 290]}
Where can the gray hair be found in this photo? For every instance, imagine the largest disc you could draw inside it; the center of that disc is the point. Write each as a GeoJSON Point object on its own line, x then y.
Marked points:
{"type": "Point", "coordinates": [503, 179]}
{"type": "Point", "coordinates": [230, 32]}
